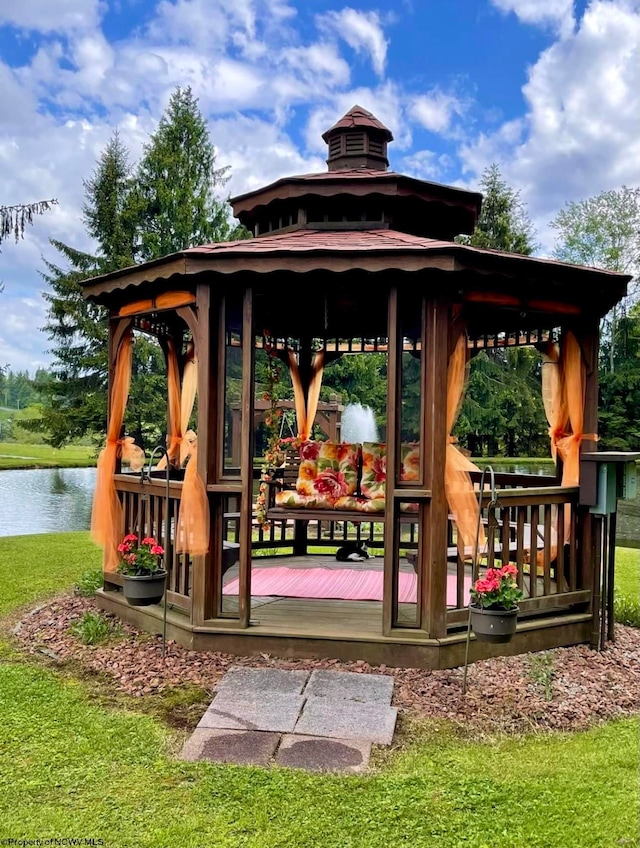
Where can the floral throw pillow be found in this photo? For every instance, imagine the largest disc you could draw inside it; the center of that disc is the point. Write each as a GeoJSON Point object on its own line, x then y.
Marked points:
{"type": "Point", "coordinates": [328, 469]}
{"type": "Point", "coordinates": [374, 470]}
{"type": "Point", "coordinates": [308, 469]}
{"type": "Point", "coordinates": [410, 461]}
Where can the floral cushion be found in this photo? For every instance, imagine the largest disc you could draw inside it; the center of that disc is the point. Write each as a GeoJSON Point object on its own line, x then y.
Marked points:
{"type": "Point", "coordinates": [352, 502]}
{"type": "Point", "coordinates": [329, 469]}
{"type": "Point", "coordinates": [295, 499]}
{"type": "Point", "coordinates": [374, 470]}
{"type": "Point", "coordinates": [410, 461]}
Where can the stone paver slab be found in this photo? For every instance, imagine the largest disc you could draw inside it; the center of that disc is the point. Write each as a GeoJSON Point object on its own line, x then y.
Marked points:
{"type": "Point", "coordinates": [344, 719]}
{"type": "Point", "coordinates": [246, 747]}
{"type": "Point", "coordinates": [269, 712]}
{"type": "Point", "coordinates": [314, 753]}
{"type": "Point", "coordinates": [350, 685]}
{"type": "Point", "coordinates": [255, 680]}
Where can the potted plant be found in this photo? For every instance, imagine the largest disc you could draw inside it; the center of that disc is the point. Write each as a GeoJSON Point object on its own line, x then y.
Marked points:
{"type": "Point", "coordinates": [494, 604]}
{"type": "Point", "coordinates": [142, 568]}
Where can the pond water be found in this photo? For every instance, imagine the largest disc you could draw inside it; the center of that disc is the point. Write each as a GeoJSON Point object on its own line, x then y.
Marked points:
{"type": "Point", "coordinates": [51, 500]}
{"type": "Point", "coordinates": [45, 500]}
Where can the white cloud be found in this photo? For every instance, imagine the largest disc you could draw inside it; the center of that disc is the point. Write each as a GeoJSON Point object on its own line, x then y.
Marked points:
{"type": "Point", "coordinates": [426, 165]}
{"type": "Point", "coordinates": [51, 15]}
{"type": "Point", "coordinates": [557, 14]}
{"type": "Point", "coordinates": [319, 64]}
{"type": "Point", "coordinates": [362, 31]}
{"type": "Point", "coordinates": [581, 132]}
{"type": "Point", "coordinates": [21, 345]}
{"type": "Point", "coordinates": [435, 111]}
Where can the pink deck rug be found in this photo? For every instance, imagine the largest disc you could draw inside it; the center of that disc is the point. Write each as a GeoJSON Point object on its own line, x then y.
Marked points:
{"type": "Point", "coordinates": [346, 584]}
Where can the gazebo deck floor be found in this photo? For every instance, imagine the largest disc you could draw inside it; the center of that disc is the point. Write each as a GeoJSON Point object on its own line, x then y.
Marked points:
{"type": "Point", "coordinates": [343, 629]}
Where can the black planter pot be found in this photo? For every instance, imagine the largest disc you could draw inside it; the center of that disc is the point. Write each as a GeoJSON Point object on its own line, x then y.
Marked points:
{"type": "Point", "coordinates": [144, 590]}
{"type": "Point", "coordinates": [493, 625]}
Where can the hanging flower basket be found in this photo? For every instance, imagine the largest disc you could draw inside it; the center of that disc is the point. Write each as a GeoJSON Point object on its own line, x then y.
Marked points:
{"type": "Point", "coordinates": [143, 577]}
{"type": "Point", "coordinates": [493, 610]}
{"type": "Point", "coordinates": [493, 625]}
{"type": "Point", "coordinates": [145, 589]}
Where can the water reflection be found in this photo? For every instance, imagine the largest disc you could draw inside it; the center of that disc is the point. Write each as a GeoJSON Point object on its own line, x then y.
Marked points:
{"type": "Point", "coordinates": [45, 500]}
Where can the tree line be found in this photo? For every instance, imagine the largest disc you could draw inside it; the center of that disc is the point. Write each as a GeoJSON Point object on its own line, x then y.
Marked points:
{"type": "Point", "coordinates": [171, 200]}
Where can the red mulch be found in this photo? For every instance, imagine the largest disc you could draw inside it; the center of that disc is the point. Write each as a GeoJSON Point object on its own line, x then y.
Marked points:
{"type": "Point", "coordinates": [503, 694]}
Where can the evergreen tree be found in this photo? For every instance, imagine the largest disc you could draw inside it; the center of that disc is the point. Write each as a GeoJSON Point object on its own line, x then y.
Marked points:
{"type": "Point", "coordinates": [107, 212]}
{"type": "Point", "coordinates": [75, 401]}
{"type": "Point", "coordinates": [502, 412]}
{"type": "Point", "coordinates": [169, 204]}
{"type": "Point", "coordinates": [174, 200]}
{"type": "Point", "coordinates": [503, 223]}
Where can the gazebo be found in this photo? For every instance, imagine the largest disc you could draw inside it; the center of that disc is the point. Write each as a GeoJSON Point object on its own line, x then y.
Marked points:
{"type": "Point", "coordinates": [353, 260]}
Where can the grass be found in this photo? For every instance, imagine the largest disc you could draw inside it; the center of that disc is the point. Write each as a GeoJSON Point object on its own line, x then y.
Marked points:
{"type": "Point", "coordinates": [18, 455]}
{"type": "Point", "coordinates": [70, 766]}
{"type": "Point", "coordinates": [34, 567]}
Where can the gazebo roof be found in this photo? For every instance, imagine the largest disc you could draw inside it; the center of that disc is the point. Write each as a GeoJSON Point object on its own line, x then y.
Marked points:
{"type": "Point", "coordinates": [358, 219]}
{"type": "Point", "coordinates": [520, 279]}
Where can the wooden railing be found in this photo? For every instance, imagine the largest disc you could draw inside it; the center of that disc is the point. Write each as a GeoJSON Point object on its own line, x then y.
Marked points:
{"type": "Point", "coordinates": [534, 527]}
{"type": "Point", "coordinates": [537, 530]}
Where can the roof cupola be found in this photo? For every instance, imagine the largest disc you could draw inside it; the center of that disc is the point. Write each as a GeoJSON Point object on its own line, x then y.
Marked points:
{"type": "Point", "coordinates": [358, 140]}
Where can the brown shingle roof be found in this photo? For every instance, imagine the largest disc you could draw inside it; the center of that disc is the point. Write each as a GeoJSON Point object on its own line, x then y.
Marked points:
{"type": "Point", "coordinates": [358, 117]}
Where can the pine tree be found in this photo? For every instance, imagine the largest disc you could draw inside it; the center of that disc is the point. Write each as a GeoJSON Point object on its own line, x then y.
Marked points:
{"type": "Point", "coordinates": [503, 223]}
{"type": "Point", "coordinates": [75, 401]}
{"type": "Point", "coordinates": [174, 200]}
{"type": "Point", "coordinates": [164, 205]}
{"type": "Point", "coordinates": [107, 212]}
{"type": "Point", "coordinates": [502, 410]}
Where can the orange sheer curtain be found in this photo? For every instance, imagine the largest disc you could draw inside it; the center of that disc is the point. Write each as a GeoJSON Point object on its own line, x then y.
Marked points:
{"type": "Point", "coordinates": [306, 410]}
{"type": "Point", "coordinates": [574, 384]}
{"type": "Point", "coordinates": [175, 431]}
{"type": "Point", "coordinates": [553, 395]}
{"type": "Point", "coordinates": [193, 518]}
{"type": "Point", "coordinates": [460, 493]}
{"type": "Point", "coordinates": [106, 512]}
{"type": "Point", "coordinates": [564, 377]}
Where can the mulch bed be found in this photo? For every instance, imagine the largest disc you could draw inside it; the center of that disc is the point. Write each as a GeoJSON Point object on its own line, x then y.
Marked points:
{"type": "Point", "coordinates": [561, 689]}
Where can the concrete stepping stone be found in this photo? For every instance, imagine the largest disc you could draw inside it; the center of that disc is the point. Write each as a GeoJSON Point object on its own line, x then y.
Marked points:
{"type": "Point", "coordinates": [314, 753]}
{"type": "Point", "coordinates": [349, 685]}
{"type": "Point", "coordinates": [346, 719]}
{"type": "Point", "coordinates": [254, 680]}
{"type": "Point", "coordinates": [229, 746]}
{"type": "Point", "coordinates": [272, 712]}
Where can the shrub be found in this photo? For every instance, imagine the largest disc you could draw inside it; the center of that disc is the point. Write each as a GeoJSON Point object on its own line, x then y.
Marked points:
{"type": "Point", "coordinates": [93, 628]}
{"type": "Point", "coordinates": [89, 583]}
{"type": "Point", "coordinates": [626, 610]}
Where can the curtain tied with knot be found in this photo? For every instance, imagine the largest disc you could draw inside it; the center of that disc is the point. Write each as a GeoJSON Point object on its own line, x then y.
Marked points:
{"type": "Point", "coordinates": [461, 496]}
{"type": "Point", "coordinates": [564, 378]}
{"type": "Point", "coordinates": [106, 511]}
{"type": "Point", "coordinates": [306, 407]}
{"type": "Point", "coordinates": [192, 535]}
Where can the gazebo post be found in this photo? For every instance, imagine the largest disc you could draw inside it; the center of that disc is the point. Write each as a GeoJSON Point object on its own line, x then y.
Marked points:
{"type": "Point", "coordinates": [433, 543]}
{"type": "Point", "coordinates": [204, 565]}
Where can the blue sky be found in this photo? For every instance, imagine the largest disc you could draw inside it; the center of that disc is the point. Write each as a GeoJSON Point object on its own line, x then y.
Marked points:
{"type": "Point", "coordinates": [547, 89]}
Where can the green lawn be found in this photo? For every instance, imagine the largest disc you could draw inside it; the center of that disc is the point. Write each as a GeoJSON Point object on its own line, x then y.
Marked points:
{"type": "Point", "coordinates": [627, 576]}
{"type": "Point", "coordinates": [17, 455]}
{"type": "Point", "coordinates": [70, 767]}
